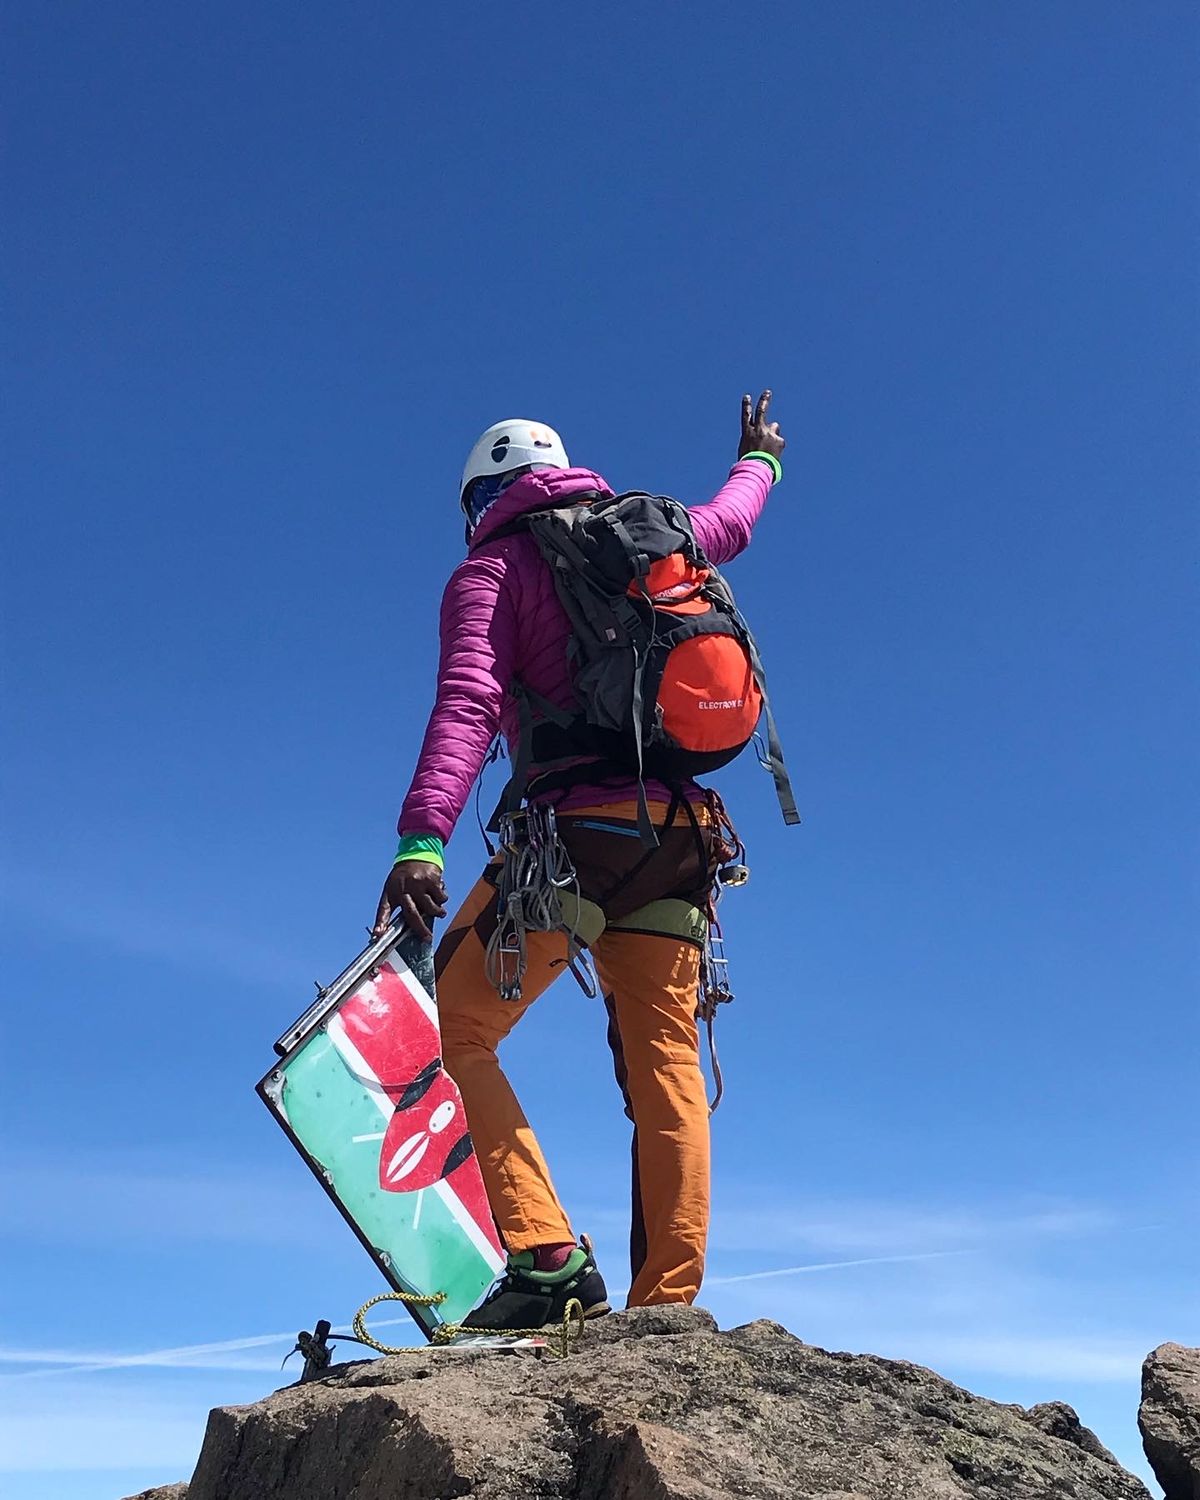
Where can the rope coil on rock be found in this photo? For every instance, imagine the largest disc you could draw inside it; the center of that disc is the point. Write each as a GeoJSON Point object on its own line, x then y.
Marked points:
{"type": "Point", "coordinates": [569, 1332]}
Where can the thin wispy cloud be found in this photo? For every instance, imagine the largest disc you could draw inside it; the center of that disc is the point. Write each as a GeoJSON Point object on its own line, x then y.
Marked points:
{"type": "Point", "coordinates": [137, 927]}
{"type": "Point", "coordinates": [207, 1356]}
{"type": "Point", "coordinates": [145, 1204]}
{"type": "Point", "coordinates": [831, 1265]}
{"type": "Point", "coordinates": [810, 1267]}
{"type": "Point", "coordinates": [60, 1362]}
{"type": "Point", "coordinates": [1027, 1356]}
{"type": "Point", "coordinates": [48, 1201]}
{"type": "Point", "coordinates": [1045, 1316]}
{"type": "Point", "coordinates": [216, 1355]}
{"type": "Point", "coordinates": [883, 1227]}
{"type": "Point", "coordinates": [998, 1319]}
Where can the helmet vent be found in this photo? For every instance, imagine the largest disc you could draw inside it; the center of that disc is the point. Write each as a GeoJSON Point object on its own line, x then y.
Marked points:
{"type": "Point", "coordinates": [500, 451]}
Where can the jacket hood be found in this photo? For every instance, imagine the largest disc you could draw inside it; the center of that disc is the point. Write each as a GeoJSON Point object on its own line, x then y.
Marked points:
{"type": "Point", "coordinates": [541, 490]}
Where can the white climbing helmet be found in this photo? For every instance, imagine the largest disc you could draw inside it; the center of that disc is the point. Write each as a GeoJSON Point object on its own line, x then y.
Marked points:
{"type": "Point", "coordinates": [512, 445]}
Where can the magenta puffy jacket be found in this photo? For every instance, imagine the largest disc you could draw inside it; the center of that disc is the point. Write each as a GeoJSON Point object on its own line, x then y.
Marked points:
{"type": "Point", "coordinates": [501, 618]}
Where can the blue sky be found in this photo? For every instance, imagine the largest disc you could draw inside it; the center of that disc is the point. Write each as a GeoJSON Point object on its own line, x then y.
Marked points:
{"type": "Point", "coordinates": [269, 276]}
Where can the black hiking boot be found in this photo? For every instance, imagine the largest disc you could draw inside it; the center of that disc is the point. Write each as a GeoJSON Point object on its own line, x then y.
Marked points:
{"type": "Point", "coordinates": [525, 1298]}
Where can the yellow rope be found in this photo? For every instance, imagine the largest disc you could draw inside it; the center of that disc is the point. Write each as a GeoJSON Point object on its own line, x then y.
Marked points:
{"type": "Point", "coordinates": [570, 1331]}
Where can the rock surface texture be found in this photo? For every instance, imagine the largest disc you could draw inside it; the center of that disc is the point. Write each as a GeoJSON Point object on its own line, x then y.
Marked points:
{"type": "Point", "coordinates": [655, 1405]}
{"type": "Point", "coordinates": [1170, 1419]}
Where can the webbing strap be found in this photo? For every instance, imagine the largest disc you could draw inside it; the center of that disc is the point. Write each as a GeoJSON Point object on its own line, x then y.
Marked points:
{"type": "Point", "coordinates": [563, 544]}
{"type": "Point", "coordinates": [678, 518]}
{"type": "Point", "coordinates": [527, 700]}
{"type": "Point", "coordinates": [510, 797]}
{"type": "Point", "coordinates": [563, 717]}
{"type": "Point", "coordinates": [645, 822]}
{"type": "Point", "coordinates": [493, 755]}
{"type": "Point", "coordinates": [701, 846]}
{"type": "Point", "coordinates": [638, 561]}
{"type": "Point", "coordinates": [677, 797]}
{"type": "Point", "coordinates": [775, 761]}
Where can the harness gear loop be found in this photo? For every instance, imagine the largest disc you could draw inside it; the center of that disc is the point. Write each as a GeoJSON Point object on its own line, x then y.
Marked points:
{"type": "Point", "coordinates": [570, 1331]}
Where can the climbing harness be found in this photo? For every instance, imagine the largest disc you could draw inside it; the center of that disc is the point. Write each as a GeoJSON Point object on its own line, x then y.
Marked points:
{"type": "Point", "coordinates": [537, 871]}
{"type": "Point", "coordinates": [536, 874]}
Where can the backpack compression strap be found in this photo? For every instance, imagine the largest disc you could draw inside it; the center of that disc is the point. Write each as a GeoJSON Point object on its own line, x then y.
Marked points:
{"type": "Point", "coordinates": [775, 762]}
{"type": "Point", "coordinates": [721, 596]}
{"type": "Point", "coordinates": [645, 823]}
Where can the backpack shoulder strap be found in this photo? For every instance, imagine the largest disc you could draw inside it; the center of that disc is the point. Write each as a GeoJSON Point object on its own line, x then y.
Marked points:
{"type": "Point", "coordinates": [722, 595]}
{"type": "Point", "coordinates": [527, 700]}
{"type": "Point", "coordinates": [775, 761]}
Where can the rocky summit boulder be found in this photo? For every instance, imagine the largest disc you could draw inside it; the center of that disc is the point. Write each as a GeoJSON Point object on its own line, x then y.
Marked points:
{"type": "Point", "coordinates": [1170, 1419]}
{"type": "Point", "coordinates": [655, 1404]}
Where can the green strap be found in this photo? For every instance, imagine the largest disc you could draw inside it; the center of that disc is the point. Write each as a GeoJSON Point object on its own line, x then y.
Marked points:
{"type": "Point", "coordinates": [423, 846]}
{"type": "Point", "coordinates": [668, 917]}
{"type": "Point", "coordinates": [767, 458]}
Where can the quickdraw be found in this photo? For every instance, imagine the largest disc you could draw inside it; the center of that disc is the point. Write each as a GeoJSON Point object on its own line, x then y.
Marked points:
{"type": "Point", "coordinates": [536, 873]}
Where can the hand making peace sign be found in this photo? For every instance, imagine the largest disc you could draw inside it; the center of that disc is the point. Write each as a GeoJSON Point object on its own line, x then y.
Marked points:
{"type": "Point", "coordinates": [759, 435]}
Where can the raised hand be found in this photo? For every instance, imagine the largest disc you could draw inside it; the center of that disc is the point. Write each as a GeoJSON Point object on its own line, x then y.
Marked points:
{"type": "Point", "coordinates": [759, 435]}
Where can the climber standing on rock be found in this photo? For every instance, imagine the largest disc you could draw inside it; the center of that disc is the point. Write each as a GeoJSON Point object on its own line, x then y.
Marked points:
{"type": "Point", "coordinates": [595, 635]}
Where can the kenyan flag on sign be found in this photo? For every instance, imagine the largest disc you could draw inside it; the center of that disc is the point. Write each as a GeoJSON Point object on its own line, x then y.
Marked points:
{"type": "Point", "coordinates": [369, 1104]}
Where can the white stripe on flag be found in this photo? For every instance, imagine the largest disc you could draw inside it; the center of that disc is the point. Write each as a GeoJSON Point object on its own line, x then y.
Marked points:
{"type": "Point", "coordinates": [413, 985]}
{"type": "Point", "coordinates": [468, 1225]}
{"type": "Point", "coordinates": [359, 1066]}
{"type": "Point", "coordinates": [458, 1209]}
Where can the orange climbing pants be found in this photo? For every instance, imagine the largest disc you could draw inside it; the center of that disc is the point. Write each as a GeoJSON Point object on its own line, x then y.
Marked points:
{"type": "Point", "coordinates": [648, 964]}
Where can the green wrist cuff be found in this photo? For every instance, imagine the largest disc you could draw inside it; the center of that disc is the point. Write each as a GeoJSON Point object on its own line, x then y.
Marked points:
{"type": "Point", "coordinates": [767, 458]}
{"type": "Point", "coordinates": [423, 846]}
